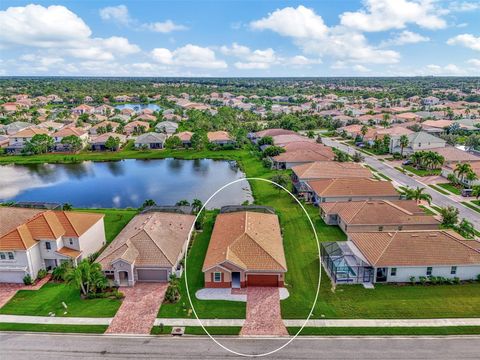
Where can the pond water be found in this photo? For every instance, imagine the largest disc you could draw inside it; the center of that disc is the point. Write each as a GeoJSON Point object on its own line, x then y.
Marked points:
{"type": "Point", "coordinates": [138, 107]}
{"type": "Point", "coordinates": [125, 183]}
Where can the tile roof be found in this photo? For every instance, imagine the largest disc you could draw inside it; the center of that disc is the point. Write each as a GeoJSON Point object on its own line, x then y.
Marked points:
{"type": "Point", "coordinates": [249, 240]}
{"type": "Point", "coordinates": [30, 132]}
{"type": "Point", "coordinates": [352, 187]}
{"type": "Point", "coordinates": [282, 140]}
{"type": "Point", "coordinates": [218, 136]}
{"type": "Point", "coordinates": [331, 169]}
{"type": "Point", "coordinates": [184, 135]}
{"type": "Point", "coordinates": [150, 239]}
{"type": "Point", "coordinates": [380, 212]}
{"type": "Point", "coordinates": [21, 228]}
{"type": "Point", "coordinates": [452, 154]}
{"type": "Point", "coordinates": [416, 248]}
{"type": "Point", "coordinates": [70, 131]}
{"type": "Point", "coordinates": [302, 151]}
{"type": "Point", "coordinates": [71, 253]}
{"type": "Point", "coordinates": [273, 132]}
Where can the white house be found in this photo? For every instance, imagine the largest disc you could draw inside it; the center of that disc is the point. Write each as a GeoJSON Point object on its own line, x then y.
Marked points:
{"type": "Point", "coordinates": [416, 142]}
{"type": "Point", "coordinates": [167, 127]}
{"type": "Point", "coordinates": [33, 239]}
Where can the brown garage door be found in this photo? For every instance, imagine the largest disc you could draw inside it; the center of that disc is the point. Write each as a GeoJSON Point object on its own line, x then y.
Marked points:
{"type": "Point", "coordinates": [152, 275]}
{"type": "Point", "coordinates": [262, 280]}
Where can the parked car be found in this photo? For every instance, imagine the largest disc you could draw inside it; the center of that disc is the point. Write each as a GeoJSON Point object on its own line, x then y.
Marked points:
{"type": "Point", "coordinates": [467, 192]}
{"type": "Point", "coordinates": [407, 162]}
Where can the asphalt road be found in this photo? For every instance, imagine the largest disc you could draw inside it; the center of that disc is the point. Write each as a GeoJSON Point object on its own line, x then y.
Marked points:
{"type": "Point", "coordinates": [27, 346]}
{"type": "Point", "coordinates": [437, 198]}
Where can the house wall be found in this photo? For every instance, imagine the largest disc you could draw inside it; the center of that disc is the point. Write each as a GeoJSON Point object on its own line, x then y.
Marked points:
{"type": "Point", "coordinates": [93, 239]}
{"type": "Point", "coordinates": [119, 266]}
{"type": "Point", "coordinates": [34, 259]}
{"type": "Point", "coordinates": [54, 246]}
{"type": "Point", "coordinates": [404, 273]}
{"type": "Point", "coordinates": [226, 278]}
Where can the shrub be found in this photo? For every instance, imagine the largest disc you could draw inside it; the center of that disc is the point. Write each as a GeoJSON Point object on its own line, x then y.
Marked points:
{"type": "Point", "coordinates": [59, 272]}
{"type": "Point", "coordinates": [423, 280]}
{"type": "Point", "coordinates": [267, 163]}
{"type": "Point", "coordinates": [478, 277]}
{"type": "Point", "coordinates": [119, 295]}
{"type": "Point", "coordinates": [397, 156]}
{"type": "Point", "coordinates": [433, 280]}
{"type": "Point", "coordinates": [27, 280]}
{"type": "Point", "coordinates": [456, 280]}
{"type": "Point", "coordinates": [41, 274]}
{"type": "Point", "coordinates": [412, 280]}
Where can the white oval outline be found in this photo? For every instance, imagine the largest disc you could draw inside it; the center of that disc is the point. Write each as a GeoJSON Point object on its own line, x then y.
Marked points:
{"type": "Point", "coordinates": [319, 265]}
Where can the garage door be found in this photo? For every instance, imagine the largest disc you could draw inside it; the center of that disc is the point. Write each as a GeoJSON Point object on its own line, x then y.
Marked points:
{"type": "Point", "coordinates": [12, 276]}
{"type": "Point", "coordinates": [153, 275]}
{"type": "Point", "coordinates": [262, 280]}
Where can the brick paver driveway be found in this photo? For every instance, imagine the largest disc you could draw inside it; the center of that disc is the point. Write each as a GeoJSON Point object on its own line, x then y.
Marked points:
{"type": "Point", "coordinates": [7, 291]}
{"type": "Point", "coordinates": [263, 312]}
{"type": "Point", "coordinates": [139, 309]}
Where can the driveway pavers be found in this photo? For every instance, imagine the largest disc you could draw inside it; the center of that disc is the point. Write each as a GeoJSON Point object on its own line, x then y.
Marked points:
{"type": "Point", "coordinates": [263, 313]}
{"type": "Point", "coordinates": [139, 309]}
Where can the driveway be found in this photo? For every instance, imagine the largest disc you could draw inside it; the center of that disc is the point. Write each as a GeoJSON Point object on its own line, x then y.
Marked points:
{"type": "Point", "coordinates": [8, 291]}
{"type": "Point", "coordinates": [263, 313]}
{"type": "Point", "coordinates": [139, 309]}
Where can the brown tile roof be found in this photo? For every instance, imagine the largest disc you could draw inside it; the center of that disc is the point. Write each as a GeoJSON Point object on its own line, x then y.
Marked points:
{"type": "Point", "coordinates": [70, 131]}
{"type": "Point", "coordinates": [184, 135]}
{"type": "Point", "coordinates": [380, 212]}
{"type": "Point", "coordinates": [249, 240]}
{"type": "Point", "coordinates": [150, 239]}
{"type": "Point", "coordinates": [452, 154]}
{"type": "Point", "coordinates": [416, 248]}
{"type": "Point", "coordinates": [218, 136]}
{"type": "Point", "coordinates": [30, 132]}
{"type": "Point", "coordinates": [305, 152]}
{"type": "Point", "coordinates": [273, 132]}
{"type": "Point", "coordinates": [282, 140]}
{"type": "Point", "coordinates": [71, 253]}
{"type": "Point", "coordinates": [101, 139]}
{"type": "Point", "coordinates": [330, 169]}
{"type": "Point", "coordinates": [33, 225]}
{"type": "Point", "coordinates": [352, 187]}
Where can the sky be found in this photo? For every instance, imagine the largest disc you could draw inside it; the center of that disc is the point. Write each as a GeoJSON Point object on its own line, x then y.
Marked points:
{"type": "Point", "coordinates": [260, 38]}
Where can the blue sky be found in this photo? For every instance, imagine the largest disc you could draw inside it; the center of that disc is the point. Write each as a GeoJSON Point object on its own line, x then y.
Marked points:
{"type": "Point", "coordinates": [240, 38]}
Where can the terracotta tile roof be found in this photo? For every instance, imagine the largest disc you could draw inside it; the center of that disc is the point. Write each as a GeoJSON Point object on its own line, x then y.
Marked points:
{"type": "Point", "coordinates": [101, 139]}
{"type": "Point", "coordinates": [32, 225]}
{"type": "Point", "coordinates": [273, 132]}
{"type": "Point", "coordinates": [352, 187]}
{"type": "Point", "coordinates": [184, 135]}
{"type": "Point", "coordinates": [330, 169]}
{"type": "Point", "coordinates": [71, 253]}
{"type": "Point", "coordinates": [305, 152]}
{"type": "Point", "coordinates": [150, 239]}
{"type": "Point", "coordinates": [218, 136]}
{"type": "Point", "coordinates": [452, 154]}
{"type": "Point", "coordinates": [416, 248]}
{"type": "Point", "coordinates": [70, 131]}
{"type": "Point", "coordinates": [249, 240]}
{"type": "Point", "coordinates": [380, 212]}
{"type": "Point", "coordinates": [30, 132]}
{"type": "Point", "coordinates": [282, 140]}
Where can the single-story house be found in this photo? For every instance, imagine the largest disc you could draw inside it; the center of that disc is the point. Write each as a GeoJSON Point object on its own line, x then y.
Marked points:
{"type": "Point", "coordinates": [185, 137]}
{"type": "Point", "coordinates": [98, 142]}
{"type": "Point", "coordinates": [284, 139]}
{"type": "Point", "coordinates": [220, 138]}
{"type": "Point", "coordinates": [149, 249]}
{"type": "Point", "coordinates": [377, 215]}
{"type": "Point", "coordinates": [416, 142]}
{"type": "Point", "coordinates": [454, 155]}
{"type": "Point", "coordinates": [136, 127]}
{"type": "Point", "coordinates": [33, 239]}
{"type": "Point", "coordinates": [302, 152]}
{"type": "Point", "coordinates": [349, 189]}
{"type": "Point", "coordinates": [167, 127]}
{"type": "Point", "coordinates": [246, 249]}
{"type": "Point", "coordinates": [152, 140]}
{"type": "Point", "coordinates": [83, 109]}
{"type": "Point", "coordinates": [399, 257]}
{"type": "Point", "coordinates": [269, 132]}
{"type": "Point", "coordinates": [108, 126]}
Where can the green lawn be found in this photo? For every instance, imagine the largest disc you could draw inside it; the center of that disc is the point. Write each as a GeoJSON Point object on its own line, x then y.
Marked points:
{"type": "Point", "coordinates": [476, 202]}
{"type": "Point", "coordinates": [49, 298]}
{"type": "Point", "coordinates": [421, 172]}
{"type": "Point", "coordinates": [427, 210]}
{"type": "Point", "coordinates": [450, 187]}
{"type": "Point", "coordinates": [213, 330]}
{"type": "Point", "coordinates": [384, 176]}
{"type": "Point", "coordinates": [85, 329]}
{"type": "Point", "coordinates": [473, 207]}
{"type": "Point", "coordinates": [415, 331]}
{"type": "Point", "coordinates": [440, 190]}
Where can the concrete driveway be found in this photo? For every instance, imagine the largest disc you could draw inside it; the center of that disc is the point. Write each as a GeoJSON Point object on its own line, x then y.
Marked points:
{"type": "Point", "coordinates": [139, 309]}
{"type": "Point", "coordinates": [263, 313]}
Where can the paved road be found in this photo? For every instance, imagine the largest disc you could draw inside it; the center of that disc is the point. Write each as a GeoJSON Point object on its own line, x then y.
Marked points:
{"type": "Point", "coordinates": [49, 346]}
{"type": "Point", "coordinates": [437, 198]}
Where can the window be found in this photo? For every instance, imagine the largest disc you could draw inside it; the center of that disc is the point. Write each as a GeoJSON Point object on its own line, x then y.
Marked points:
{"type": "Point", "coordinates": [10, 255]}
{"type": "Point", "coordinates": [400, 227]}
{"type": "Point", "coordinates": [429, 271]}
{"type": "Point", "coordinates": [71, 241]}
{"type": "Point", "coordinates": [217, 277]}
{"type": "Point", "coordinates": [393, 271]}
{"type": "Point", "coordinates": [453, 270]}
{"type": "Point", "coordinates": [48, 246]}
{"type": "Point", "coordinates": [380, 228]}
{"type": "Point", "coordinates": [3, 256]}
{"type": "Point", "coordinates": [7, 255]}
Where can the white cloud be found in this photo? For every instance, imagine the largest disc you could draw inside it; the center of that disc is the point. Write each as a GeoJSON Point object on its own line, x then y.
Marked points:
{"type": "Point", "coordinates": [117, 14]}
{"type": "Point", "coordinates": [465, 6]}
{"type": "Point", "coordinates": [235, 50]}
{"type": "Point", "coordinates": [474, 62]}
{"type": "Point", "coordinates": [59, 30]}
{"type": "Point", "coordinates": [381, 15]}
{"type": "Point", "coordinates": [189, 56]}
{"type": "Point", "coordinates": [251, 59]}
{"type": "Point", "coordinates": [405, 37]}
{"type": "Point", "coordinates": [450, 69]}
{"type": "Point", "coordinates": [361, 69]}
{"type": "Point", "coordinates": [164, 27]}
{"type": "Point", "coordinates": [300, 60]}
{"type": "Point", "coordinates": [466, 40]}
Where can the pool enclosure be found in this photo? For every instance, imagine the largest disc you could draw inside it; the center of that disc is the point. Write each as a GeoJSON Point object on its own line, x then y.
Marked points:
{"type": "Point", "coordinates": [343, 265]}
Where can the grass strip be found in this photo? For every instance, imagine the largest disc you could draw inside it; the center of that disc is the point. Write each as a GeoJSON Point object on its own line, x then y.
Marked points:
{"type": "Point", "coordinates": [386, 331]}
{"type": "Point", "coordinates": [85, 329]}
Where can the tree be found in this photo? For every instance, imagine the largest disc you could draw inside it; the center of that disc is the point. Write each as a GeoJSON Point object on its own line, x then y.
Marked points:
{"type": "Point", "coordinates": [476, 191]}
{"type": "Point", "coordinates": [471, 176]}
{"type": "Point", "coordinates": [280, 179]}
{"type": "Point", "coordinates": [403, 143]}
{"type": "Point", "coordinates": [173, 142]}
{"type": "Point", "coordinates": [310, 134]}
{"type": "Point", "coordinates": [449, 216]}
{"type": "Point", "coordinates": [72, 142]}
{"type": "Point", "coordinates": [67, 207]}
{"type": "Point", "coordinates": [112, 143]}
{"type": "Point", "coordinates": [39, 144]}
{"type": "Point", "coordinates": [340, 156]}
{"type": "Point", "coordinates": [364, 131]}
{"type": "Point", "coordinates": [466, 229]}
{"type": "Point", "coordinates": [199, 140]}
{"type": "Point", "coordinates": [273, 151]}
{"type": "Point", "coordinates": [462, 169]}
{"type": "Point", "coordinates": [87, 277]}
{"type": "Point", "coordinates": [417, 194]}
{"type": "Point", "coordinates": [196, 205]}
{"type": "Point", "coordinates": [182, 203]}
{"type": "Point", "coordinates": [357, 157]}
{"type": "Point", "coordinates": [148, 203]}
{"type": "Point", "coordinates": [266, 140]}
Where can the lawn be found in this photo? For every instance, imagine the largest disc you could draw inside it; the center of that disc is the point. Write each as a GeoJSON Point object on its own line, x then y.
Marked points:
{"type": "Point", "coordinates": [415, 331]}
{"type": "Point", "coordinates": [421, 172]}
{"type": "Point", "coordinates": [440, 190]}
{"type": "Point", "coordinates": [49, 298]}
{"type": "Point", "coordinates": [473, 207]}
{"type": "Point", "coordinates": [427, 210]}
{"type": "Point", "coordinates": [84, 329]}
{"type": "Point", "coordinates": [450, 187]}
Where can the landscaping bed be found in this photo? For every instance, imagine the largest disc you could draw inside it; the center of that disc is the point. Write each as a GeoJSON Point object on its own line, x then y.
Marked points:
{"type": "Point", "coordinates": [422, 172]}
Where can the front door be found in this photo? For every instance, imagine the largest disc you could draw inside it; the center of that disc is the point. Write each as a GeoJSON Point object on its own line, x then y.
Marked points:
{"type": "Point", "coordinates": [235, 280]}
{"type": "Point", "coordinates": [381, 275]}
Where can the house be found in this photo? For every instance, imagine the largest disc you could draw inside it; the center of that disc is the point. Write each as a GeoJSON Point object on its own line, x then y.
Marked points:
{"type": "Point", "coordinates": [167, 127]}
{"type": "Point", "coordinates": [32, 239]}
{"type": "Point", "coordinates": [185, 137]}
{"type": "Point", "coordinates": [15, 127]}
{"type": "Point", "coordinates": [453, 155]}
{"type": "Point", "coordinates": [151, 140]}
{"type": "Point", "coordinates": [302, 152]}
{"type": "Point", "coordinates": [104, 110]}
{"type": "Point", "coordinates": [149, 249]}
{"type": "Point", "coordinates": [284, 139]}
{"type": "Point", "coordinates": [245, 249]}
{"type": "Point", "coordinates": [349, 189]}
{"type": "Point", "coordinates": [98, 142]}
{"type": "Point", "coordinates": [269, 132]}
{"type": "Point", "coordinates": [416, 142]}
{"type": "Point", "coordinates": [83, 109]}
{"type": "Point", "coordinates": [430, 101]}
{"type": "Point", "coordinates": [136, 127]}
{"type": "Point", "coordinates": [377, 215]}
{"type": "Point", "coordinates": [51, 125]}
{"type": "Point", "coordinates": [69, 131]}
{"type": "Point", "coordinates": [328, 170]}
{"type": "Point", "coordinates": [18, 141]}
{"type": "Point", "coordinates": [107, 126]}
{"type": "Point", "coordinates": [220, 138]}
{"type": "Point", "coordinates": [449, 168]}
{"type": "Point", "coordinates": [4, 141]}
{"type": "Point", "coordinates": [399, 257]}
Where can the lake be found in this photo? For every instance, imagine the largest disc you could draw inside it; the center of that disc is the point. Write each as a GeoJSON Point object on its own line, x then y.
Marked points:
{"type": "Point", "coordinates": [138, 107]}
{"type": "Point", "coordinates": [125, 183]}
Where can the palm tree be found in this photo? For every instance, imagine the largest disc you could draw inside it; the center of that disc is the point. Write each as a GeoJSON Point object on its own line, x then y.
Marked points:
{"type": "Point", "coordinates": [417, 195]}
{"type": "Point", "coordinates": [476, 191]}
{"type": "Point", "coordinates": [471, 176]}
{"type": "Point", "coordinates": [196, 205]}
{"type": "Point", "coordinates": [403, 143]}
{"type": "Point", "coordinates": [462, 169]}
{"type": "Point", "coordinates": [86, 276]}
{"type": "Point", "coordinates": [364, 131]}
{"type": "Point", "coordinates": [416, 158]}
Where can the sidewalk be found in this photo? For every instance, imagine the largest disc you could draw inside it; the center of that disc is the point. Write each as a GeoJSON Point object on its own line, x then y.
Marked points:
{"type": "Point", "coordinates": [239, 322]}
